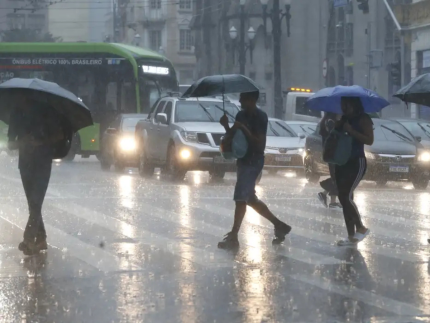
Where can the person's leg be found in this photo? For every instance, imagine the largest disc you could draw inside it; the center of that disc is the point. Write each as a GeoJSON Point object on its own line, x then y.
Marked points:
{"type": "Point", "coordinates": [239, 215]}
{"type": "Point", "coordinates": [39, 180]}
{"type": "Point", "coordinates": [344, 182]}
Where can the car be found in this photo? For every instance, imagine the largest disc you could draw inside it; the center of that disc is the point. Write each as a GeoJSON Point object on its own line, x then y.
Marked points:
{"type": "Point", "coordinates": [118, 146]}
{"type": "Point", "coordinates": [182, 135]}
{"type": "Point", "coordinates": [284, 148]}
{"type": "Point", "coordinates": [419, 128]}
{"type": "Point", "coordinates": [302, 127]}
{"type": "Point", "coordinates": [396, 155]}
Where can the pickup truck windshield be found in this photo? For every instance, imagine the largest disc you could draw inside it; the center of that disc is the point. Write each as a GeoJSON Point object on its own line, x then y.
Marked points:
{"type": "Point", "coordinates": [279, 129]}
{"type": "Point", "coordinates": [203, 111]}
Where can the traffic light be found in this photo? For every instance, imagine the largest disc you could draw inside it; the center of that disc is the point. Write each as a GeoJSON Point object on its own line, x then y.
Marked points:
{"type": "Point", "coordinates": [396, 73]}
{"type": "Point", "coordinates": [363, 5]}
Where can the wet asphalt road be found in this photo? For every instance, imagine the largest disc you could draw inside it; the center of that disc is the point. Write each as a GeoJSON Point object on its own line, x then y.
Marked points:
{"type": "Point", "coordinates": [127, 249]}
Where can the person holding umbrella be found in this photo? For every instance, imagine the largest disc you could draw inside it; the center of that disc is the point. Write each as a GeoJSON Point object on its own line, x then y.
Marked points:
{"type": "Point", "coordinates": [353, 102]}
{"type": "Point", "coordinates": [33, 130]}
{"type": "Point", "coordinates": [253, 123]}
{"type": "Point", "coordinates": [42, 118]}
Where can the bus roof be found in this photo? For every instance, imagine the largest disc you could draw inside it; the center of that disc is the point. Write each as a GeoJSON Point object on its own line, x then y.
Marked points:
{"type": "Point", "coordinates": [126, 51]}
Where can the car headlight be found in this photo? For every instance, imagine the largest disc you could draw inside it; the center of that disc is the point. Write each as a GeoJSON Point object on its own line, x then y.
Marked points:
{"type": "Point", "coordinates": [369, 155]}
{"type": "Point", "coordinates": [185, 154]}
{"type": "Point", "coordinates": [424, 157]}
{"type": "Point", "coordinates": [127, 144]}
{"type": "Point", "coordinates": [189, 136]}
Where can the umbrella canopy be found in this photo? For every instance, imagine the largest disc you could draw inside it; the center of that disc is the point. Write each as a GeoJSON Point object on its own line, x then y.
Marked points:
{"type": "Point", "coordinates": [417, 91]}
{"type": "Point", "coordinates": [328, 99]}
{"type": "Point", "coordinates": [221, 84]}
{"type": "Point", "coordinates": [65, 102]}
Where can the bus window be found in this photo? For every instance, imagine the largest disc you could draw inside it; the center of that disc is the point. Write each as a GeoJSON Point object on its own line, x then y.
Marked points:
{"type": "Point", "coordinates": [128, 98]}
{"type": "Point", "coordinates": [111, 96]}
{"type": "Point", "coordinates": [149, 94]}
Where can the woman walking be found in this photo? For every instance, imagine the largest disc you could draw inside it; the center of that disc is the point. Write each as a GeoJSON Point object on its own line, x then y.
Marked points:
{"type": "Point", "coordinates": [360, 127]}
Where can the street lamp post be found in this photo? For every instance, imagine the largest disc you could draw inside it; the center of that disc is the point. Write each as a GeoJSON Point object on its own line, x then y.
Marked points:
{"type": "Point", "coordinates": [276, 15]}
{"type": "Point", "coordinates": [242, 54]}
{"type": "Point", "coordinates": [243, 46]}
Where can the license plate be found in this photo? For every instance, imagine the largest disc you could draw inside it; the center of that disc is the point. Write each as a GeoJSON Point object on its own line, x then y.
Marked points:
{"type": "Point", "coordinates": [221, 160]}
{"type": "Point", "coordinates": [283, 159]}
{"type": "Point", "coordinates": [399, 169]}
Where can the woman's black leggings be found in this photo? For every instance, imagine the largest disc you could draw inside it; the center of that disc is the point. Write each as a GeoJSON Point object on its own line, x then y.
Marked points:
{"type": "Point", "coordinates": [348, 177]}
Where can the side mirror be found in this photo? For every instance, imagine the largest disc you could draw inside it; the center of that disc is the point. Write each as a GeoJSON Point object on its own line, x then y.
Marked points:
{"type": "Point", "coordinates": [301, 136]}
{"type": "Point", "coordinates": [111, 131]}
{"type": "Point", "coordinates": [161, 118]}
{"type": "Point", "coordinates": [418, 138]}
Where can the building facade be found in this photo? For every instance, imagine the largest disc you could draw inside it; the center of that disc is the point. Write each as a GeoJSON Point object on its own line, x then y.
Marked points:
{"type": "Point", "coordinates": [23, 15]}
{"type": "Point", "coordinates": [302, 52]}
{"type": "Point", "coordinates": [163, 26]}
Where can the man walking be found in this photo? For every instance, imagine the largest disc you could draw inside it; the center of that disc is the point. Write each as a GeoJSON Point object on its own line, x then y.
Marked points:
{"type": "Point", "coordinates": [33, 129]}
{"type": "Point", "coordinates": [253, 123]}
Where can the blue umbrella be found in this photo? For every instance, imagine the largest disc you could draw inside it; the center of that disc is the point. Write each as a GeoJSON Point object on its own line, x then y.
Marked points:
{"type": "Point", "coordinates": [328, 99]}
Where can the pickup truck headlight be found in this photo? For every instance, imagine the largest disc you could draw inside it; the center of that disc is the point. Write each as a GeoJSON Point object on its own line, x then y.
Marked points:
{"type": "Point", "coordinates": [424, 157]}
{"type": "Point", "coordinates": [127, 144]}
{"type": "Point", "coordinates": [189, 136]}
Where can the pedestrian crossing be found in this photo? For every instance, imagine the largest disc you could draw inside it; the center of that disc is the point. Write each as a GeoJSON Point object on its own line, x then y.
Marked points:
{"type": "Point", "coordinates": [307, 246]}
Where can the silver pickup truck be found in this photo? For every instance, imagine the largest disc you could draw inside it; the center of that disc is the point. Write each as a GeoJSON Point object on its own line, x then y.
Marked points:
{"type": "Point", "coordinates": [182, 135]}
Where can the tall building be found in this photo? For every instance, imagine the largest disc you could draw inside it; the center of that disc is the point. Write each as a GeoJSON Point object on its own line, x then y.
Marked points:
{"type": "Point", "coordinates": [162, 26]}
{"type": "Point", "coordinates": [23, 15]}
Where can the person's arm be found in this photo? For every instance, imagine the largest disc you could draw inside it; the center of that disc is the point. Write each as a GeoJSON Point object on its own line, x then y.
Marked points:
{"type": "Point", "coordinates": [365, 137]}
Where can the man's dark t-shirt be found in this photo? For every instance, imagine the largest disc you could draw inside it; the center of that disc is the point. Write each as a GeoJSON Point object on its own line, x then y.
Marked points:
{"type": "Point", "coordinates": [257, 125]}
{"type": "Point", "coordinates": [38, 124]}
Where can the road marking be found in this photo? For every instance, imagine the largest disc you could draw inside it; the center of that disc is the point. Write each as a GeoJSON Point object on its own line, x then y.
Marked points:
{"type": "Point", "coordinates": [92, 255]}
{"type": "Point", "coordinates": [366, 297]}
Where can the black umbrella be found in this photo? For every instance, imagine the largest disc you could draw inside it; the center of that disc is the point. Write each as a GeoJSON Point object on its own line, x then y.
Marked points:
{"type": "Point", "coordinates": [417, 91]}
{"type": "Point", "coordinates": [52, 94]}
{"type": "Point", "coordinates": [220, 85]}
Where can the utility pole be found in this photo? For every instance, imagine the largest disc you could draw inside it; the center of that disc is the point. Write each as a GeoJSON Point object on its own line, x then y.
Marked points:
{"type": "Point", "coordinates": [115, 22]}
{"type": "Point", "coordinates": [242, 50]}
{"type": "Point", "coordinates": [276, 20]}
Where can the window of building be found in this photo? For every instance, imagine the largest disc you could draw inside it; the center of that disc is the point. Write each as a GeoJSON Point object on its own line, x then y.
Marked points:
{"type": "Point", "coordinates": [155, 4]}
{"type": "Point", "coordinates": [16, 21]}
{"type": "Point", "coordinates": [155, 40]}
{"type": "Point", "coordinates": [185, 39]}
{"type": "Point", "coordinates": [185, 4]}
{"type": "Point", "coordinates": [35, 21]}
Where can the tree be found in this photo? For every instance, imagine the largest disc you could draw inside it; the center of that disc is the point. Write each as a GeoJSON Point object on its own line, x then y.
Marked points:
{"type": "Point", "coordinates": [28, 35]}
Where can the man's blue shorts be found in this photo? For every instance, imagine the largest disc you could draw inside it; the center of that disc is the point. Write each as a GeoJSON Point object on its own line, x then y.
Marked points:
{"type": "Point", "coordinates": [247, 174]}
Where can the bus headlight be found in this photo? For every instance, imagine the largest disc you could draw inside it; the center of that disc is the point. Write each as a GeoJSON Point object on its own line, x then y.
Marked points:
{"type": "Point", "coordinates": [424, 157]}
{"type": "Point", "coordinates": [127, 144]}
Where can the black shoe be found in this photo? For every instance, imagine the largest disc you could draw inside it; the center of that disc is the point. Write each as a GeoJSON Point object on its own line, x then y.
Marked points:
{"type": "Point", "coordinates": [281, 231]}
{"type": "Point", "coordinates": [230, 241]}
{"type": "Point", "coordinates": [323, 199]}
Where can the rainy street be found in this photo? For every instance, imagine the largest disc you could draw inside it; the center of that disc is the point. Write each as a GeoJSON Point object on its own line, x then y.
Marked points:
{"type": "Point", "coordinates": [127, 249]}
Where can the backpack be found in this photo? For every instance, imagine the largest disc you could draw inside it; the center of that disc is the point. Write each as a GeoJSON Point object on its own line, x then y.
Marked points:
{"type": "Point", "coordinates": [62, 147]}
{"type": "Point", "coordinates": [337, 148]}
{"type": "Point", "coordinates": [234, 145]}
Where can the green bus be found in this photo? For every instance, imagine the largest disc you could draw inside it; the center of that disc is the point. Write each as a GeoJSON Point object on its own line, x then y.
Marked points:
{"type": "Point", "coordinates": [109, 78]}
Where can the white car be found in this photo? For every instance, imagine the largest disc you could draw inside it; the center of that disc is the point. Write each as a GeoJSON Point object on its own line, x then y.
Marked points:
{"type": "Point", "coordinates": [303, 127]}
{"type": "Point", "coordinates": [284, 147]}
{"type": "Point", "coordinates": [183, 135]}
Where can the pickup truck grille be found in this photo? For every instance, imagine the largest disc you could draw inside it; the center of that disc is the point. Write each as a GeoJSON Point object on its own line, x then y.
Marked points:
{"type": "Point", "coordinates": [202, 138]}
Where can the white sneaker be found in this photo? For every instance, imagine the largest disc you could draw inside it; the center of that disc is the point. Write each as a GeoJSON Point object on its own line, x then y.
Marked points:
{"type": "Point", "coordinates": [360, 236]}
{"type": "Point", "coordinates": [346, 242]}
